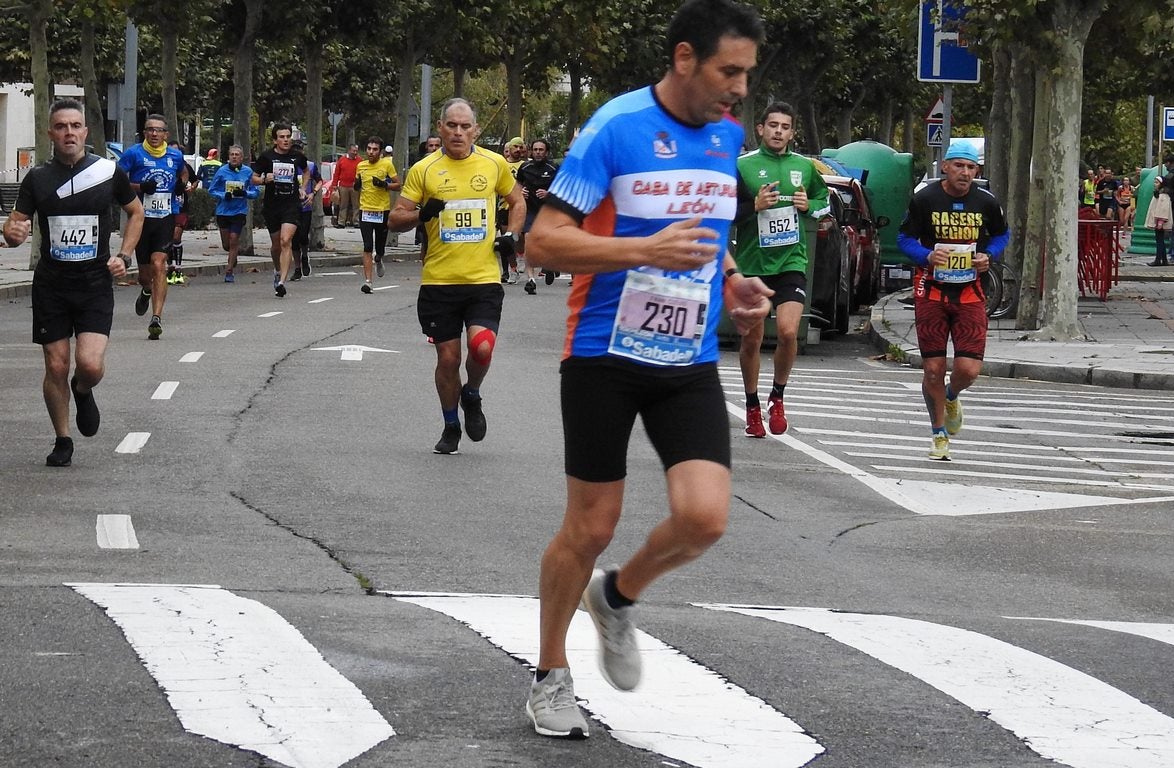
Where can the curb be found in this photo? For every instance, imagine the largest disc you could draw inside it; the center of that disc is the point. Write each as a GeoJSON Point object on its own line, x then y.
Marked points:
{"type": "Point", "coordinates": [883, 340]}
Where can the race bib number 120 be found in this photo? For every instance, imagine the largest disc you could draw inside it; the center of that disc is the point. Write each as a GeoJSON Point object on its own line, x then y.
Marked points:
{"type": "Point", "coordinates": [960, 267]}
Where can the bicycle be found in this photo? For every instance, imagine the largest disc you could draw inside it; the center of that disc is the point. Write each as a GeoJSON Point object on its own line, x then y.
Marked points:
{"type": "Point", "coordinates": [1000, 284]}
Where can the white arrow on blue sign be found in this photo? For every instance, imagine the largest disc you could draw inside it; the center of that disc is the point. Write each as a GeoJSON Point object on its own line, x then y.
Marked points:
{"type": "Point", "coordinates": [942, 55]}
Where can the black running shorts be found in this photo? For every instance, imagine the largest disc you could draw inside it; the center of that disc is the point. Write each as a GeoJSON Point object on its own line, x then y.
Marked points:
{"type": "Point", "coordinates": [683, 410]}
{"type": "Point", "coordinates": [286, 210]}
{"type": "Point", "coordinates": [157, 237]}
{"type": "Point", "coordinates": [67, 302]}
{"type": "Point", "coordinates": [788, 286]}
{"type": "Point", "coordinates": [446, 310]}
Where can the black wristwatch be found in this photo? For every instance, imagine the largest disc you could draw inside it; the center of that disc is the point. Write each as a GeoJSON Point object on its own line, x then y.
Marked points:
{"type": "Point", "coordinates": [125, 260]}
{"type": "Point", "coordinates": [733, 271]}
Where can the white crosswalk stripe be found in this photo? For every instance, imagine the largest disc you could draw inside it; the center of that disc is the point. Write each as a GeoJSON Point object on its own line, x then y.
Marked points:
{"type": "Point", "coordinates": [1038, 448]}
{"type": "Point", "coordinates": [236, 671]}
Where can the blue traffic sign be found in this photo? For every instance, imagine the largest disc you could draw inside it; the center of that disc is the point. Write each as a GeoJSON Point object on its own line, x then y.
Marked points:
{"type": "Point", "coordinates": [933, 134]}
{"type": "Point", "coordinates": [942, 54]}
{"type": "Point", "coordinates": [1167, 123]}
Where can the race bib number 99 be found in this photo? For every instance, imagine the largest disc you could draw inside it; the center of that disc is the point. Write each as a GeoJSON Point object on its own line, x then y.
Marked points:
{"type": "Point", "coordinates": [73, 238]}
{"type": "Point", "coordinates": [464, 221]}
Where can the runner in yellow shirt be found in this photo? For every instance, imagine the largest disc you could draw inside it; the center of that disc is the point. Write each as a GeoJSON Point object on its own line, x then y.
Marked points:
{"type": "Point", "coordinates": [375, 180]}
{"type": "Point", "coordinates": [455, 193]}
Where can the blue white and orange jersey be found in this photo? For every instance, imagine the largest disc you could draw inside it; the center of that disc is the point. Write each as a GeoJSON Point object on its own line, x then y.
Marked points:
{"type": "Point", "coordinates": [633, 170]}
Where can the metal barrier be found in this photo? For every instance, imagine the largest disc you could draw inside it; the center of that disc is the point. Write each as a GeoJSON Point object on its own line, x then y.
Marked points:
{"type": "Point", "coordinates": [1098, 248]}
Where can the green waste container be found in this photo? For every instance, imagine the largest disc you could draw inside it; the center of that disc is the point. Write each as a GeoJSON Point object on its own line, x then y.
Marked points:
{"type": "Point", "coordinates": [1142, 240]}
{"type": "Point", "coordinates": [889, 184]}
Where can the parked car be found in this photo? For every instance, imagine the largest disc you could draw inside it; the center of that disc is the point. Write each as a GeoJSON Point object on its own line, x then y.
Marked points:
{"type": "Point", "coordinates": [831, 271]}
{"type": "Point", "coordinates": [326, 169]}
{"type": "Point", "coordinates": [862, 228]}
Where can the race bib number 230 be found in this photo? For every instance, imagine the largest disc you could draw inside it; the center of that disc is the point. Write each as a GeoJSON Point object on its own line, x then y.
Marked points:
{"type": "Point", "coordinates": [660, 320]}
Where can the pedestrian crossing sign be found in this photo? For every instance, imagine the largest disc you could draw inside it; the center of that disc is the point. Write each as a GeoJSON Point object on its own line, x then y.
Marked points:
{"type": "Point", "coordinates": [933, 134]}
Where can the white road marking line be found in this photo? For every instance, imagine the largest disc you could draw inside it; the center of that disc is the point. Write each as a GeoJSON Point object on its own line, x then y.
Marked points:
{"type": "Point", "coordinates": [386, 287]}
{"type": "Point", "coordinates": [1019, 446]}
{"type": "Point", "coordinates": [133, 442]}
{"type": "Point", "coordinates": [165, 390]}
{"type": "Point", "coordinates": [680, 710]}
{"type": "Point", "coordinates": [353, 351]}
{"type": "Point", "coordinates": [333, 274]}
{"type": "Point", "coordinates": [1037, 479]}
{"type": "Point", "coordinates": [235, 671]}
{"type": "Point", "coordinates": [1059, 712]}
{"type": "Point", "coordinates": [954, 451]}
{"type": "Point", "coordinates": [191, 357]}
{"type": "Point", "coordinates": [116, 532]}
{"type": "Point", "coordinates": [1019, 465]}
{"type": "Point", "coordinates": [271, 314]}
{"type": "Point", "coordinates": [876, 404]}
{"type": "Point", "coordinates": [319, 301]}
{"type": "Point", "coordinates": [223, 334]}
{"type": "Point", "coordinates": [855, 411]}
{"type": "Point", "coordinates": [1163, 633]}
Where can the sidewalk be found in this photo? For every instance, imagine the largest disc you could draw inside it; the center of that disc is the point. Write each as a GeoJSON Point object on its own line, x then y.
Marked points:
{"type": "Point", "coordinates": [1130, 336]}
{"type": "Point", "coordinates": [203, 256]}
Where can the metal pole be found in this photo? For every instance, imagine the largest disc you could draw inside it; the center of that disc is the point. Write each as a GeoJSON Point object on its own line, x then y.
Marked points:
{"type": "Point", "coordinates": [947, 108]}
{"type": "Point", "coordinates": [1149, 131]}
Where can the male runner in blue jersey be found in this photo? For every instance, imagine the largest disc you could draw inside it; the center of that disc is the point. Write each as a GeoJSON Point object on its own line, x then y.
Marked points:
{"type": "Point", "coordinates": [640, 213]}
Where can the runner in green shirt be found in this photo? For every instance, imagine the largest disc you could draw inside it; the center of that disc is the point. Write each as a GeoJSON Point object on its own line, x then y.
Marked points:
{"type": "Point", "coordinates": [775, 187]}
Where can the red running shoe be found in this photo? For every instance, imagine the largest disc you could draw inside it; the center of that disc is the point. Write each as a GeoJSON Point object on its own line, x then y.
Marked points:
{"type": "Point", "coordinates": [754, 426]}
{"type": "Point", "coordinates": [778, 419]}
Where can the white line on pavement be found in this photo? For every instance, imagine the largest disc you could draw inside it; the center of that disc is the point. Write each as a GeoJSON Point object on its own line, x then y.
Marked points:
{"type": "Point", "coordinates": [1059, 712]}
{"type": "Point", "coordinates": [133, 442]}
{"type": "Point", "coordinates": [116, 532]}
{"type": "Point", "coordinates": [223, 334]}
{"type": "Point", "coordinates": [270, 314]}
{"type": "Point", "coordinates": [191, 357]}
{"type": "Point", "coordinates": [333, 274]}
{"type": "Point", "coordinates": [235, 671]}
{"type": "Point", "coordinates": [680, 709]}
{"type": "Point", "coordinates": [386, 287]}
{"type": "Point", "coordinates": [165, 390]}
{"type": "Point", "coordinates": [1163, 633]}
{"type": "Point", "coordinates": [320, 301]}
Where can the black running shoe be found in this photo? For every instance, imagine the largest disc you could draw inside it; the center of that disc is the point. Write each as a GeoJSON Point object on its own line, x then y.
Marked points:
{"type": "Point", "coordinates": [306, 265]}
{"type": "Point", "coordinates": [279, 291]}
{"type": "Point", "coordinates": [142, 302]}
{"type": "Point", "coordinates": [550, 276]}
{"type": "Point", "coordinates": [366, 288]}
{"type": "Point", "coordinates": [62, 455]}
{"type": "Point", "coordinates": [474, 417]}
{"type": "Point", "coordinates": [155, 328]}
{"type": "Point", "coordinates": [449, 439]}
{"type": "Point", "coordinates": [88, 417]}
{"type": "Point", "coordinates": [531, 287]}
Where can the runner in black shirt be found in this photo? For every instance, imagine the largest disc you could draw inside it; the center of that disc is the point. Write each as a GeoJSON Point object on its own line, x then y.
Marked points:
{"type": "Point", "coordinates": [535, 176]}
{"type": "Point", "coordinates": [280, 169]}
{"type": "Point", "coordinates": [73, 288]}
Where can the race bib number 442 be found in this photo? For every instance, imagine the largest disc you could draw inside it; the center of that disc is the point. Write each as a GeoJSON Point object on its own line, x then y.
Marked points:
{"type": "Point", "coordinates": [73, 238]}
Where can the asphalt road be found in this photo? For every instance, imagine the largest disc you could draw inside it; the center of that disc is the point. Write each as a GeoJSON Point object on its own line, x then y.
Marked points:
{"type": "Point", "coordinates": [344, 583]}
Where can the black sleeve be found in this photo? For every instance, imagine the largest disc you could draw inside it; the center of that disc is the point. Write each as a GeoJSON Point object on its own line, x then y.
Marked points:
{"type": "Point", "coordinates": [25, 202]}
{"type": "Point", "coordinates": [566, 208]}
{"type": "Point", "coordinates": [745, 201]}
{"type": "Point", "coordinates": [123, 192]}
{"type": "Point", "coordinates": [262, 165]}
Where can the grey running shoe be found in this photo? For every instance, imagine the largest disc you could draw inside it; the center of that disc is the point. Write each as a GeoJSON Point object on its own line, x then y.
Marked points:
{"type": "Point", "coordinates": [379, 266]}
{"type": "Point", "coordinates": [552, 708]}
{"type": "Point", "coordinates": [619, 656]}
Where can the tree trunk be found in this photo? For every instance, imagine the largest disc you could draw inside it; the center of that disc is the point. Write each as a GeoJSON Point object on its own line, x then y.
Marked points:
{"type": "Point", "coordinates": [95, 118]}
{"type": "Point", "coordinates": [814, 144]}
{"type": "Point", "coordinates": [998, 131]}
{"type": "Point", "coordinates": [403, 108]}
{"type": "Point", "coordinates": [314, 130]}
{"type": "Point", "coordinates": [1021, 133]}
{"type": "Point", "coordinates": [217, 132]}
{"type": "Point", "coordinates": [1058, 166]}
{"type": "Point", "coordinates": [40, 11]}
{"type": "Point", "coordinates": [459, 73]}
{"type": "Point", "coordinates": [168, 66]}
{"type": "Point", "coordinates": [908, 142]}
{"type": "Point", "coordinates": [1036, 247]}
{"type": "Point", "coordinates": [885, 132]}
{"type": "Point", "coordinates": [242, 103]}
{"type": "Point", "coordinates": [574, 102]}
{"type": "Point", "coordinates": [513, 80]}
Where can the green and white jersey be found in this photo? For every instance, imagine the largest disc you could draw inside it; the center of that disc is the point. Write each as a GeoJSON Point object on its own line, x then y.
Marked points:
{"type": "Point", "coordinates": [773, 241]}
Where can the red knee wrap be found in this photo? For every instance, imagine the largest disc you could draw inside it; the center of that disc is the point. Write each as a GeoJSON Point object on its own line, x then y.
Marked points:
{"type": "Point", "coordinates": [485, 337]}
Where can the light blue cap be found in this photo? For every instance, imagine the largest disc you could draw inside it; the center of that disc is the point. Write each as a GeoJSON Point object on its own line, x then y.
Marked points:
{"type": "Point", "coordinates": [962, 151]}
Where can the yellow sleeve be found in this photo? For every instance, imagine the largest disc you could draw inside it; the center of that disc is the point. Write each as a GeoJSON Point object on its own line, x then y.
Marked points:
{"type": "Point", "coordinates": [413, 188]}
{"type": "Point", "coordinates": [505, 179]}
